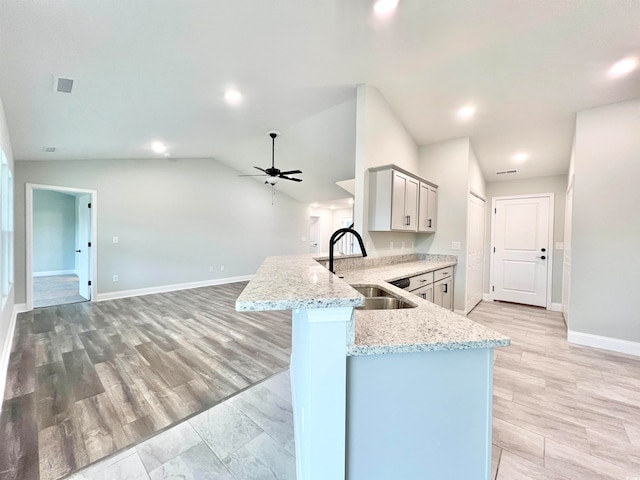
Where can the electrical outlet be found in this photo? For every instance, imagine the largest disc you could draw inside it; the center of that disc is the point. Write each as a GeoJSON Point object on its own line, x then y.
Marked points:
{"type": "Point", "coordinates": [116, 240]}
{"type": "Point", "coordinates": [303, 239]}
{"type": "Point", "coordinates": [403, 245]}
{"type": "Point", "coordinates": [210, 269]}
{"type": "Point", "coordinates": [222, 268]}
{"type": "Point", "coordinates": [455, 245]}
{"type": "Point", "coordinates": [115, 278]}
{"type": "Point", "coordinates": [390, 245]}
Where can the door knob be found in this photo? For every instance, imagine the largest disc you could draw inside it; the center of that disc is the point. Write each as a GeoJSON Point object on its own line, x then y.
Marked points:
{"type": "Point", "coordinates": [78, 251]}
{"type": "Point", "coordinates": [542, 257]}
{"type": "Point", "coordinates": [543, 249]}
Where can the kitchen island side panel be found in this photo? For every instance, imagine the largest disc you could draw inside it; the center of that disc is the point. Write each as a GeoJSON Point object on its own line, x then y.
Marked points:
{"type": "Point", "coordinates": [420, 415]}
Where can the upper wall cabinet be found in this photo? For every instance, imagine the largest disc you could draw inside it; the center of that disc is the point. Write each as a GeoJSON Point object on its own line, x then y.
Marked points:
{"type": "Point", "coordinates": [428, 208]}
{"type": "Point", "coordinates": [396, 200]}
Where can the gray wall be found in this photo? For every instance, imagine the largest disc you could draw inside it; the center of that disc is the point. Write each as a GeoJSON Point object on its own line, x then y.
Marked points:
{"type": "Point", "coordinates": [54, 226]}
{"type": "Point", "coordinates": [174, 219]}
{"type": "Point", "coordinates": [556, 184]}
{"type": "Point", "coordinates": [447, 165]}
{"type": "Point", "coordinates": [605, 273]}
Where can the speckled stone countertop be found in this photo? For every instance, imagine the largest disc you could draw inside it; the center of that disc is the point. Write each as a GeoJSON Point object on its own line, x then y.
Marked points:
{"type": "Point", "coordinates": [291, 282]}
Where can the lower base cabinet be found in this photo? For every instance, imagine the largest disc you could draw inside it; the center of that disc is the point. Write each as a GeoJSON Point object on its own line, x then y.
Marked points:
{"type": "Point", "coordinates": [425, 292]}
{"type": "Point", "coordinates": [443, 293]}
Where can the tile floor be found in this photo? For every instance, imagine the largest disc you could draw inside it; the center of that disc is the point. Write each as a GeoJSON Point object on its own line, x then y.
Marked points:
{"type": "Point", "coordinates": [247, 437]}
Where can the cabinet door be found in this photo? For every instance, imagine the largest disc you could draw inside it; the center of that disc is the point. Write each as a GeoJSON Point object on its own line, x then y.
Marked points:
{"type": "Point", "coordinates": [432, 217]}
{"type": "Point", "coordinates": [411, 204]}
{"type": "Point", "coordinates": [399, 190]}
{"type": "Point", "coordinates": [443, 293]}
{"type": "Point", "coordinates": [425, 292]}
{"type": "Point", "coordinates": [423, 208]}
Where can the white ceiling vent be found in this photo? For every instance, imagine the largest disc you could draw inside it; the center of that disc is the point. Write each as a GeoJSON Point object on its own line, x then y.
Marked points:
{"type": "Point", "coordinates": [506, 172]}
{"type": "Point", "coordinates": [49, 149]}
{"type": "Point", "coordinates": [63, 84]}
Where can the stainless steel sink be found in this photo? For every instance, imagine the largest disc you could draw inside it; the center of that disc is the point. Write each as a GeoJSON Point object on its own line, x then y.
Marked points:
{"type": "Point", "coordinates": [377, 298]}
{"type": "Point", "coordinates": [372, 291]}
{"type": "Point", "coordinates": [384, 303]}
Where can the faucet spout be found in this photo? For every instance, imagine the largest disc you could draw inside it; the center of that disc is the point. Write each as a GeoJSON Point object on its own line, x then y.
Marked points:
{"type": "Point", "coordinates": [337, 235]}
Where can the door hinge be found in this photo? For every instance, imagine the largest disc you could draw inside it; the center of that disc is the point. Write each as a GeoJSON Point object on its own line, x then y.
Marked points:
{"type": "Point", "coordinates": [493, 289]}
{"type": "Point", "coordinates": [88, 205]}
{"type": "Point", "coordinates": [89, 282]}
{"type": "Point", "coordinates": [89, 244]}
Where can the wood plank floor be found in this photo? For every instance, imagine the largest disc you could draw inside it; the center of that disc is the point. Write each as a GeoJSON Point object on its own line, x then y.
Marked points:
{"type": "Point", "coordinates": [88, 379]}
{"type": "Point", "coordinates": [560, 411]}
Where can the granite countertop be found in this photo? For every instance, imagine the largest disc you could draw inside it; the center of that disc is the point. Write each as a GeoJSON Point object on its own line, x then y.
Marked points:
{"type": "Point", "coordinates": [289, 282]}
{"type": "Point", "coordinates": [298, 281]}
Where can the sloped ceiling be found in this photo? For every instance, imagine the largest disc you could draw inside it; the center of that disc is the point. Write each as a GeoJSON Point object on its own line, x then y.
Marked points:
{"type": "Point", "coordinates": [157, 70]}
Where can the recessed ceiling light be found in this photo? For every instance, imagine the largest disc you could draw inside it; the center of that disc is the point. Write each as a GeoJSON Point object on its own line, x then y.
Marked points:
{"type": "Point", "coordinates": [233, 97]}
{"type": "Point", "coordinates": [158, 147]}
{"type": "Point", "coordinates": [351, 201]}
{"type": "Point", "coordinates": [520, 157]}
{"type": "Point", "coordinates": [314, 205]}
{"type": "Point", "coordinates": [466, 112]}
{"type": "Point", "coordinates": [385, 7]}
{"type": "Point", "coordinates": [623, 67]}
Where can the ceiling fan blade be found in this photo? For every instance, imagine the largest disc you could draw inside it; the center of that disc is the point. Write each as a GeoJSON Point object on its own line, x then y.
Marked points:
{"type": "Point", "coordinates": [290, 178]}
{"type": "Point", "coordinates": [259, 175]}
{"type": "Point", "coordinates": [290, 172]}
{"type": "Point", "coordinates": [261, 169]}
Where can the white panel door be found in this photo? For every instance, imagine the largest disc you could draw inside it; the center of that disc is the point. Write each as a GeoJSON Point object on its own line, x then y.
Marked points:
{"type": "Point", "coordinates": [83, 237]}
{"type": "Point", "coordinates": [475, 251]}
{"type": "Point", "coordinates": [521, 243]}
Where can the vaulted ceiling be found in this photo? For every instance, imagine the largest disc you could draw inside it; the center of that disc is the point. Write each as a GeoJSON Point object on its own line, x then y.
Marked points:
{"type": "Point", "coordinates": [158, 70]}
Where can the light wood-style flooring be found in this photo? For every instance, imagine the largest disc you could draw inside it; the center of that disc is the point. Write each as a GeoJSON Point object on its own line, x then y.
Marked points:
{"type": "Point", "coordinates": [88, 379]}
{"type": "Point", "coordinates": [560, 411]}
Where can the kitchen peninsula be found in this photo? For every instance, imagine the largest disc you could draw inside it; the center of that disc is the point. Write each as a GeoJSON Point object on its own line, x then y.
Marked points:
{"type": "Point", "coordinates": [378, 394]}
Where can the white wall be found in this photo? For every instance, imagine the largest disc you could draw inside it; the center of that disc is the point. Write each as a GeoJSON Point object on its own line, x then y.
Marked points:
{"type": "Point", "coordinates": [605, 262]}
{"type": "Point", "coordinates": [54, 226]}
{"type": "Point", "coordinates": [556, 184]}
{"type": "Point", "coordinates": [447, 165]}
{"type": "Point", "coordinates": [174, 219]}
{"type": "Point", "coordinates": [381, 139]}
{"type": "Point", "coordinates": [477, 183]}
{"type": "Point", "coordinates": [7, 308]}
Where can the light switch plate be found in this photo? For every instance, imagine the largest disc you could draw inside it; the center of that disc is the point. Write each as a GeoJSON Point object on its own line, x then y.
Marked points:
{"type": "Point", "coordinates": [116, 240]}
{"type": "Point", "coordinates": [455, 245]}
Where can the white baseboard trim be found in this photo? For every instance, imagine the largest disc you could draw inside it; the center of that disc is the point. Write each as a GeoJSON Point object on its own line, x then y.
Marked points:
{"type": "Point", "coordinates": [169, 288]}
{"type": "Point", "coordinates": [6, 348]}
{"type": "Point", "coordinates": [460, 312]}
{"type": "Point", "coordinates": [556, 307]}
{"type": "Point", "coordinates": [605, 343]}
{"type": "Point", "coordinates": [54, 272]}
{"type": "Point", "coordinates": [486, 297]}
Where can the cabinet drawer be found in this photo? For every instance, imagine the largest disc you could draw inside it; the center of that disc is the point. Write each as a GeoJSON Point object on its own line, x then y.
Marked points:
{"type": "Point", "coordinates": [442, 273]}
{"type": "Point", "coordinates": [420, 280]}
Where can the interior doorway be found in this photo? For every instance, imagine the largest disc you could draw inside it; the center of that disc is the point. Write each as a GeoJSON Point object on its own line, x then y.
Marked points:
{"type": "Point", "coordinates": [521, 253]}
{"type": "Point", "coordinates": [314, 234]}
{"type": "Point", "coordinates": [61, 246]}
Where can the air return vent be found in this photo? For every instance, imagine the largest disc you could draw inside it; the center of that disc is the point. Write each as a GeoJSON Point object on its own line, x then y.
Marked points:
{"type": "Point", "coordinates": [506, 172]}
{"type": "Point", "coordinates": [49, 149]}
{"type": "Point", "coordinates": [63, 84]}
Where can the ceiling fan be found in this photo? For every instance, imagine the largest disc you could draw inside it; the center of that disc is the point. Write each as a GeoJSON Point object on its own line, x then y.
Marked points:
{"type": "Point", "coordinates": [274, 173]}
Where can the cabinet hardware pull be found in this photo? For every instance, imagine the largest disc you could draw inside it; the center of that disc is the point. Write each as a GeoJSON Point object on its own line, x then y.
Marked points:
{"type": "Point", "coordinates": [429, 223]}
{"type": "Point", "coordinates": [446, 290]}
{"type": "Point", "coordinates": [424, 280]}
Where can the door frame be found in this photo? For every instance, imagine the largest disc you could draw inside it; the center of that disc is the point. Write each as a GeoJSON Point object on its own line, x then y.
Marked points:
{"type": "Point", "coordinates": [93, 258]}
{"type": "Point", "coordinates": [550, 233]}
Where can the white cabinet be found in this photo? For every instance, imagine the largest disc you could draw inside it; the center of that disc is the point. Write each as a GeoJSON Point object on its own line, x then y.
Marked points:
{"type": "Point", "coordinates": [436, 286]}
{"type": "Point", "coordinates": [425, 292]}
{"type": "Point", "coordinates": [443, 288]}
{"type": "Point", "coordinates": [428, 208]}
{"type": "Point", "coordinates": [396, 199]}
